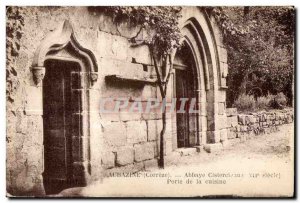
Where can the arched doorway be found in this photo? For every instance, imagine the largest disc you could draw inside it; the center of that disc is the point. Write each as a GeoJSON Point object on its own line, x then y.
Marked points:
{"type": "Point", "coordinates": [70, 72]}
{"type": "Point", "coordinates": [185, 90]}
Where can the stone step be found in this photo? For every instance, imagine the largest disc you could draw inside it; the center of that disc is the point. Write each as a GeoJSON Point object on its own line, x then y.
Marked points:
{"type": "Point", "coordinates": [187, 151]}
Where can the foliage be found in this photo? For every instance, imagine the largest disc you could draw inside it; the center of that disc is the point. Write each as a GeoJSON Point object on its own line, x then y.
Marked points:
{"type": "Point", "coordinates": [279, 101]}
{"type": "Point", "coordinates": [260, 44]}
{"type": "Point", "coordinates": [163, 20]}
{"type": "Point", "coordinates": [263, 102]}
{"type": "Point", "coordinates": [14, 26]}
{"type": "Point", "coordinates": [245, 103]}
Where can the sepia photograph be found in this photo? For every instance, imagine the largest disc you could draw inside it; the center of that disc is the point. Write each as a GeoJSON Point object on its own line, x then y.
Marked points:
{"type": "Point", "coordinates": [150, 101]}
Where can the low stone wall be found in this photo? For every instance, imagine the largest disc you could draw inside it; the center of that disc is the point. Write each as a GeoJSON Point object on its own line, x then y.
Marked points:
{"type": "Point", "coordinates": [244, 125]}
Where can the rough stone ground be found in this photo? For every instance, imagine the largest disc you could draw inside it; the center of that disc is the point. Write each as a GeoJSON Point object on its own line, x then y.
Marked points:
{"type": "Point", "coordinates": [263, 153]}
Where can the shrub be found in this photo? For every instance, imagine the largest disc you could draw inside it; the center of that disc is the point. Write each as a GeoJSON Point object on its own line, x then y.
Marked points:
{"type": "Point", "coordinates": [279, 101]}
{"type": "Point", "coordinates": [263, 103]}
{"type": "Point", "coordinates": [245, 103]}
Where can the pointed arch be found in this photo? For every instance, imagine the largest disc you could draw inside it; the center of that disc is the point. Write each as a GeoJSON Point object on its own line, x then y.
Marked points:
{"type": "Point", "coordinates": [199, 36]}
{"type": "Point", "coordinates": [59, 39]}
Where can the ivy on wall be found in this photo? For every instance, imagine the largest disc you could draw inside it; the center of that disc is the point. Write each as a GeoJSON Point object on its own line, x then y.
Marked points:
{"type": "Point", "coordinates": [160, 22]}
{"type": "Point", "coordinates": [14, 26]}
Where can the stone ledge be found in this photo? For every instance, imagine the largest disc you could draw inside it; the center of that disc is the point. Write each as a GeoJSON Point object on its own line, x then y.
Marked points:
{"type": "Point", "coordinates": [210, 148]}
{"type": "Point", "coordinates": [187, 151]}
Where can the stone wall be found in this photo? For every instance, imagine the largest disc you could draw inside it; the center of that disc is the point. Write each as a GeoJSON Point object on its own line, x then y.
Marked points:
{"type": "Point", "coordinates": [242, 126]}
{"type": "Point", "coordinates": [122, 140]}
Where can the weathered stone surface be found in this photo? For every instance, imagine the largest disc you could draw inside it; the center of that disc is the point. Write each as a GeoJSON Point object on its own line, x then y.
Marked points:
{"type": "Point", "coordinates": [149, 91]}
{"type": "Point", "coordinates": [231, 134]}
{"type": "Point", "coordinates": [211, 148]}
{"type": "Point", "coordinates": [136, 131]}
{"type": "Point", "coordinates": [223, 54]}
{"type": "Point", "coordinates": [151, 116]}
{"type": "Point", "coordinates": [242, 136]}
{"type": "Point", "coordinates": [129, 116]}
{"type": "Point", "coordinates": [108, 160]}
{"type": "Point", "coordinates": [213, 136]}
{"type": "Point", "coordinates": [124, 156]}
{"type": "Point", "coordinates": [221, 108]}
{"type": "Point", "coordinates": [223, 135]}
{"type": "Point", "coordinates": [243, 128]}
{"type": "Point", "coordinates": [156, 145]}
{"type": "Point", "coordinates": [251, 119]}
{"type": "Point", "coordinates": [232, 121]}
{"type": "Point", "coordinates": [242, 119]}
{"type": "Point", "coordinates": [187, 151]}
{"type": "Point", "coordinates": [150, 164]}
{"type": "Point", "coordinates": [154, 127]}
{"type": "Point", "coordinates": [221, 122]}
{"type": "Point", "coordinates": [143, 151]}
{"type": "Point", "coordinates": [114, 133]}
{"type": "Point", "coordinates": [34, 98]}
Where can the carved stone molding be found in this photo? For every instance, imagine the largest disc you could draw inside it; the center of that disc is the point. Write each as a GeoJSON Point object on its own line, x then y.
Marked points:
{"type": "Point", "coordinates": [62, 38]}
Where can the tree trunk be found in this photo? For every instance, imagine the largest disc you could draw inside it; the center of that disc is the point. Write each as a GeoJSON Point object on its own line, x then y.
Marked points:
{"type": "Point", "coordinates": [162, 133]}
{"type": "Point", "coordinates": [243, 88]}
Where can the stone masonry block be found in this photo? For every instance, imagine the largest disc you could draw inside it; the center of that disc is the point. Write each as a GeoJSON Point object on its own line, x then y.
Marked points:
{"type": "Point", "coordinates": [136, 131]}
{"type": "Point", "coordinates": [221, 122]}
{"type": "Point", "coordinates": [252, 119]}
{"type": "Point", "coordinates": [114, 134]}
{"type": "Point", "coordinates": [242, 119]}
{"type": "Point", "coordinates": [169, 147]}
{"type": "Point", "coordinates": [231, 134]}
{"type": "Point", "coordinates": [232, 121]}
{"type": "Point", "coordinates": [213, 136]}
{"type": "Point", "coordinates": [221, 108]}
{"type": "Point", "coordinates": [154, 127]}
{"type": "Point", "coordinates": [222, 54]}
{"type": "Point", "coordinates": [223, 135]}
{"type": "Point", "coordinates": [125, 156]}
{"type": "Point", "coordinates": [157, 148]}
{"type": "Point", "coordinates": [149, 164]}
{"type": "Point", "coordinates": [143, 151]}
{"type": "Point", "coordinates": [108, 160]}
{"type": "Point", "coordinates": [210, 148]}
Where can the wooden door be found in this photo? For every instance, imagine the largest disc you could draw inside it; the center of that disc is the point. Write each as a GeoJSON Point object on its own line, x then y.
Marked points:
{"type": "Point", "coordinates": [58, 128]}
{"type": "Point", "coordinates": [182, 119]}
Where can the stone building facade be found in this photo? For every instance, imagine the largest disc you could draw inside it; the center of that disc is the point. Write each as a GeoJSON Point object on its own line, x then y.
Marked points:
{"type": "Point", "coordinates": [71, 57]}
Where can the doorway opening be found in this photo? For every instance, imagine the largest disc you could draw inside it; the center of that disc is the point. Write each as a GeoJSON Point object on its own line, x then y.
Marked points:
{"type": "Point", "coordinates": [59, 106]}
{"type": "Point", "coordinates": [185, 86]}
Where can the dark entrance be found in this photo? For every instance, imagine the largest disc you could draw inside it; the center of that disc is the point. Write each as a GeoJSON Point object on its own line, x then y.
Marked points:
{"type": "Point", "coordinates": [58, 106]}
{"type": "Point", "coordinates": [185, 88]}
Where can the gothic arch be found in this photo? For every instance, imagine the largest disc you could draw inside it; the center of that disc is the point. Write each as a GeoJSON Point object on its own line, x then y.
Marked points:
{"type": "Point", "coordinates": [198, 35]}
{"type": "Point", "coordinates": [58, 40]}
{"type": "Point", "coordinates": [62, 46]}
